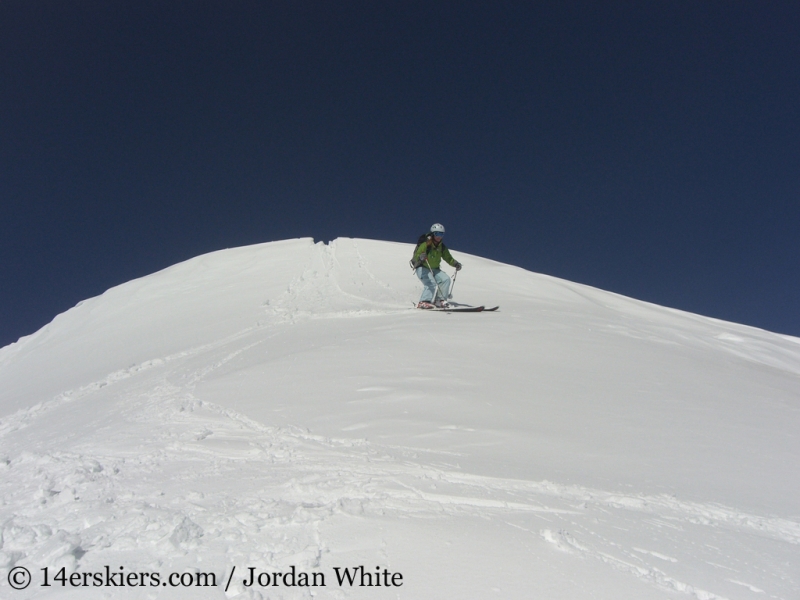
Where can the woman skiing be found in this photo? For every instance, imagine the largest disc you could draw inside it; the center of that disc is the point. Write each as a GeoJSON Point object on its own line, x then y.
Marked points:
{"type": "Point", "coordinates": [428, 256]}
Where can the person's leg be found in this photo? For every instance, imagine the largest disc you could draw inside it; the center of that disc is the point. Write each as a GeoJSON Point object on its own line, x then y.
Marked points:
{"type": "Point", "coordinates": [444, 284]}
{"type": "Point", "coordinates": [429, 283]}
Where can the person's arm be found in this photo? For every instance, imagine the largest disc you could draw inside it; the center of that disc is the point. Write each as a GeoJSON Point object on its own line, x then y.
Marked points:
{"type": "Point", "coordinates": [449, 258]}
{"type": "Point", "coordinates": [420, 254]}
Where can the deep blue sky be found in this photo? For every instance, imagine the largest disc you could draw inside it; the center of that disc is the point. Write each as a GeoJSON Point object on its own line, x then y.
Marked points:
{"type": "Point", "coordinates": [647, 148]}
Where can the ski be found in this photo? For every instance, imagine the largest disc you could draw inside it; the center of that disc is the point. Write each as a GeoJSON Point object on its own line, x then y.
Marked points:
{"type": "Point", "coordinates": [469, 309]}
{"type": "Point", "coordinates": [461, 309]}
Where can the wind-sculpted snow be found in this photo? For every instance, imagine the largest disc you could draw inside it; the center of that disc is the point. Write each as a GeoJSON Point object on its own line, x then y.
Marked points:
{"type": "Point", "coordinates": [283, 406]}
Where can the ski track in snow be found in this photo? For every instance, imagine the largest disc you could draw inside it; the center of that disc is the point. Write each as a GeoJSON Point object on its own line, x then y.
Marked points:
{"type": "Point", "coordinates": [106, 495]}
{"type": "Point", "coordinates": [321, 285]}
{"type": "Point", "coordinates": [101, 495]}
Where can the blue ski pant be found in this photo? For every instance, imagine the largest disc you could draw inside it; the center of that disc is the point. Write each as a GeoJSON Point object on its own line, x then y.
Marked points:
{"type": "Point", "coordinates": [430, 279]}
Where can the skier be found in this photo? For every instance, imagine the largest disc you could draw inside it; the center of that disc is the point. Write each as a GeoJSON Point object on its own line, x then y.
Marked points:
{"type": "Point", "coordinates": [428, 255]}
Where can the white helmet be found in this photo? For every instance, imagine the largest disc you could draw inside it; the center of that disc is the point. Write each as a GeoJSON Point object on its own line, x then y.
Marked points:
{"type": "Point", "coordinates": [437, 228]}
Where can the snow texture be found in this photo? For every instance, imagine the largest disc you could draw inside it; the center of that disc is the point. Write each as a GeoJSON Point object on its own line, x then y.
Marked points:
{"type": "Point", "coordinates": [282, 405]}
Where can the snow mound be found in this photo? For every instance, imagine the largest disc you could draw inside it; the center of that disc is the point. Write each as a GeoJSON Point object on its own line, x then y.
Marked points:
{"type": "Point", "coordinates": [283, 406]}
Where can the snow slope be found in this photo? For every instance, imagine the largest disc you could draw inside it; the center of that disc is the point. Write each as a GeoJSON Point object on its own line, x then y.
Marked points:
{"type": "Point", "coordinates": [281, 405]}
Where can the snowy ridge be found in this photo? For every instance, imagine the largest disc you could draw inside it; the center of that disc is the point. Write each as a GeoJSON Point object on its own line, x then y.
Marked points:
{"type": "Point", "coordinates": [277, 406]}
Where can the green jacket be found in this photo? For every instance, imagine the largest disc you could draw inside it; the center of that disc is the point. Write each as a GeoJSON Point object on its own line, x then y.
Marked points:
{"type": "Point", "coordinates": [435, 254]}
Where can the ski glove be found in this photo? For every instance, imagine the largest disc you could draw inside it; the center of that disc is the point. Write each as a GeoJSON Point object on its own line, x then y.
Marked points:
{"type": "Point", "coordinates": [458, 266]}
{"type": "Point", "coordinates": [422, 258]}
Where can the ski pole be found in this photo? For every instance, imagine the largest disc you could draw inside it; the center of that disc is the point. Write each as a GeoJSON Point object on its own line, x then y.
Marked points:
{"type": "Point", "coordinates": [452, 285]}
{"type": "Point", "coordinates": [438, 289]}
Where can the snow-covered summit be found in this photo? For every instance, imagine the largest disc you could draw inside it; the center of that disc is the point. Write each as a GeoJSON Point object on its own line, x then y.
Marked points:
{"type": "Point", "coordinates": [283, 404]}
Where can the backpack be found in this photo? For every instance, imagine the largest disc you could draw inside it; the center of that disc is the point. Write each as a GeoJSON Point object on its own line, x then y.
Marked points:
{"type": "Point", "coordinates": [424, 237]}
